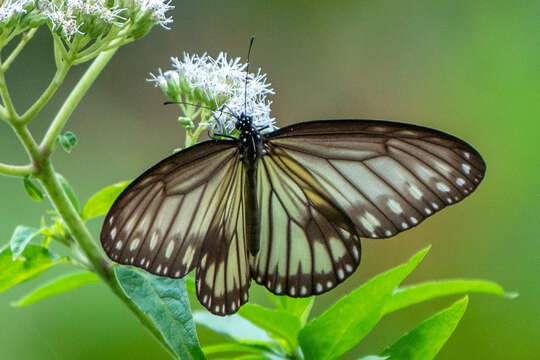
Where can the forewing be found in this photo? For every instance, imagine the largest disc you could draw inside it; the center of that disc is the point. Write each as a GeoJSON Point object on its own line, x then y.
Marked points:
{"type": "Point", "coordinates": [223, 274]}
{"type": "Point", "coordinates": [387, 177]}
{"type": "Point", "coordinates": [307, 245]}
{"type": "Point", "coordinates": [160, 221]}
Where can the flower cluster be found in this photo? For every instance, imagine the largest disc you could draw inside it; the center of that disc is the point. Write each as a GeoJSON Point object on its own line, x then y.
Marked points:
{"type": "Point", "coordinates": [10, 9]}
{"type": "Point", "coordinates": [221, 84]}
{"type": "Point", "coordinates": [88, 17]}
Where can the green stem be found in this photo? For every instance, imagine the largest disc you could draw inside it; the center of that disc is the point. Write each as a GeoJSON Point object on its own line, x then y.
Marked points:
{"type": "Point", "coordinates": [6, 98]}
{"type": "Point", "coordinates": [100, 264]}
{"type": "Point", "coordinates": [16, 170]}
{"type": "Point", "coordinates": [49, 141]}
{"type": "Point", "coordinates": [24, 39]}
{"type": "Point", "coordinates": [47, 94]}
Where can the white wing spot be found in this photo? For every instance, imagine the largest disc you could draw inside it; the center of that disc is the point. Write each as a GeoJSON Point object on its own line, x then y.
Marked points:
{"type": "Point", "coordinates": [205, 297]}
{"type": "Point", "coordinates": [111, 220]}
{"type": "Point", "coordinates": [388, 233]}
{"type": "Point", "coordinates": [467, 155]}
{"type": "Point", "coordinates": [394, 206]}
{"type": "Point", "coordinates": [428, 211]}
{"type": "Point", "coordinates": [131, 260]}
{"type": "Point", "coordinates": [404, 225]}
{"type": "Point", "coordinates": [245, 296]}
{"type": "Point", "coordinates": [292, 291]}
{"type": "Point", "coordinates": [415, 192]}
{"type": "Point", "coordinates": [355, 252]}
{"type": "Point", "coordinates": [177, 274]}
{"type": "Point", "coordinates": [435, 206]}
{"type": "Point", "coordinates": [413, 220]}
{"type": "Point", "coordinates": [259, 278]}
{"type": "Point", "coordinates": [233, 307]}
{"type": "Point", "coordinates": [348, 268]}
{"type": "Point", "coordinates": [303, 290]}
{"type": "Point", "coordinates": [340, 274]}
{"type": "Point", "coordinates": [449, 200]}
{"type": "Point", "coordinates": [329, 284]}
{"type": "Point", "coordinates": [443, 187]}
{"type": "Point", "coordinates": [134, 244]}
{"type": "Point", "coordinates": [158, 268]}
{"type": "Point", "coordinates": [460, 181]}
{"type": "Point", "coordinates": [169, 249]}
{"type": "Point", "coordinates": [318, 287]}
{"type": "Point", "coordinates": [143, 260]}
{"type": "Point", "coordinates": [153, 240]}
{"type": "Point", "coordinates": [466, 168]}
{"type": "Point", "coordinates": [366, 224]}
{"type": "Point", "coordinates": [278, 289]}
{"type": "Point", "coordinates": [216, 308]}
{"type": "Point", "coordinates": [113, 233]}
{"type": "Point", "coordinates": [118, 245]}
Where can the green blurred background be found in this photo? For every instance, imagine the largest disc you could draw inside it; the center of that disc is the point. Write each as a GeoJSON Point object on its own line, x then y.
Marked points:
{"type": "Point", "coordinates": [470, 68]}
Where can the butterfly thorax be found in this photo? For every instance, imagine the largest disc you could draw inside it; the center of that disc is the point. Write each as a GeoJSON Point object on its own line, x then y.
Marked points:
{"type": "Point", "coordinates": [250, 141]}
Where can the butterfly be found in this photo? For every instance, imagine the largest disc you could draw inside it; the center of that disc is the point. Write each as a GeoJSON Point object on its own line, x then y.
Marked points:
{"type": "Point", "coordinates": [286, 208]}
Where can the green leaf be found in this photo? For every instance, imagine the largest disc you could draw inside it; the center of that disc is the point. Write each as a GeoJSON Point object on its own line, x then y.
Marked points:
{"type": "Point", "coordinates": [233, 347]}
{"type": "Point", "coordinates": [276, 322]}
{"type": "Point", "coordinates": [234, 327]}
{"type": "Point", "coordinates": [413, 294]}
{"type": "Point", "coordinates": [100, 203]}
{"type": "Point", "coordinates": [69, 191]}
{"type": "Point", "coordinates": [353, 316]}
{"type": "Point", "coordinates": [427, 339]}
{"type": "Point", "coordinates": [21, 238]}
{"type": "Point", "coordinates": [32, 262]}
{"type": "Point", "coordinates": [67, 140]}
{"type": "Point", "coordinates": [373, 357]}
{"type": "Point", "coordinates": [58, 286]}
{"type": "Point", "coordinates": [299, 307]}
{"type": "Point", "coordinates": [190, 284]}
{"type": "Point", "coordinates": [32, 190]}
{"type": "Point", "coordinates": [166, 303]}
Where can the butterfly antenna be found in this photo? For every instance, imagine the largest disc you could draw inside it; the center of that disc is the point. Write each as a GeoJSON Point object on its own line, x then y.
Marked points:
{"type": "Point", "coordinates": [247, 72]}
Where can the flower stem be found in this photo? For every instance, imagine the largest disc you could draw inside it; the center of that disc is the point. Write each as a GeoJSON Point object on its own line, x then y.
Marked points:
{"type": "Point", "coordinates": [16, 170]}
{"type": "Point", "coordinates": [49, 141]}
{"type": "Point", "coordinates": [24, 39]}
{"type": "Point", "coordinates": [47, 94]}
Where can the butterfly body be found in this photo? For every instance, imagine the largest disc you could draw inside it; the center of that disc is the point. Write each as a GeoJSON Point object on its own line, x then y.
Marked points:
{"type": "Point", "coordinates": [285, 208]}
{"type": "Point", "coordinates": [251, 148]}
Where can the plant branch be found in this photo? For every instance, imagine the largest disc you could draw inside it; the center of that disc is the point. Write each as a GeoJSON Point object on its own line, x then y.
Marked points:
{"type": "Point", "coordinates": [47, 94]}
{"type": "Point", "coordinates": [24, 39]}
{"type": "Point", "coordinates": [6, 98]}
{"type": "Point", "coordinates": [49, 141]}
{"type": "Point", "coordinates": [16, 170]}
{"type": "Point", "coordinates": [100, 264]}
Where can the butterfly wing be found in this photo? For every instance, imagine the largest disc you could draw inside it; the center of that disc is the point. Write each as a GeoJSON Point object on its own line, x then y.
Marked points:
{"type": "Point", "coordinates": [386, 176]}
{"type": "Point", "coordinates": [307, 245]}
{"type": "Point", "coordinates": [223, 274]}
{"type": "Point", "coordinates": [179, 210]}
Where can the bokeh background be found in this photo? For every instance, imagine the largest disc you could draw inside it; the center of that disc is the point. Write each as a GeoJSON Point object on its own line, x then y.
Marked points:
{"type": "Point", "coordinates": [470, 68]}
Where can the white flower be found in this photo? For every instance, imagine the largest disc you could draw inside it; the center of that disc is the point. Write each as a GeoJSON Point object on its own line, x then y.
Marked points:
{"type": "Point", "coordinates": [158, 9]}
{"type": "Point", "coordinates": [68, 15]}
{"type": "Point", "coordinates": [10, 8]}
{"type": "Point", "coordinates": [219, 79]}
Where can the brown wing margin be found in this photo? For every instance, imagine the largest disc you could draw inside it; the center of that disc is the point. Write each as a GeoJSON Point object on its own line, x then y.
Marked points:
{"type": "Point", "coordinates": [159, 222]}
{"type": "Point", "coordinates": [386, 176]}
